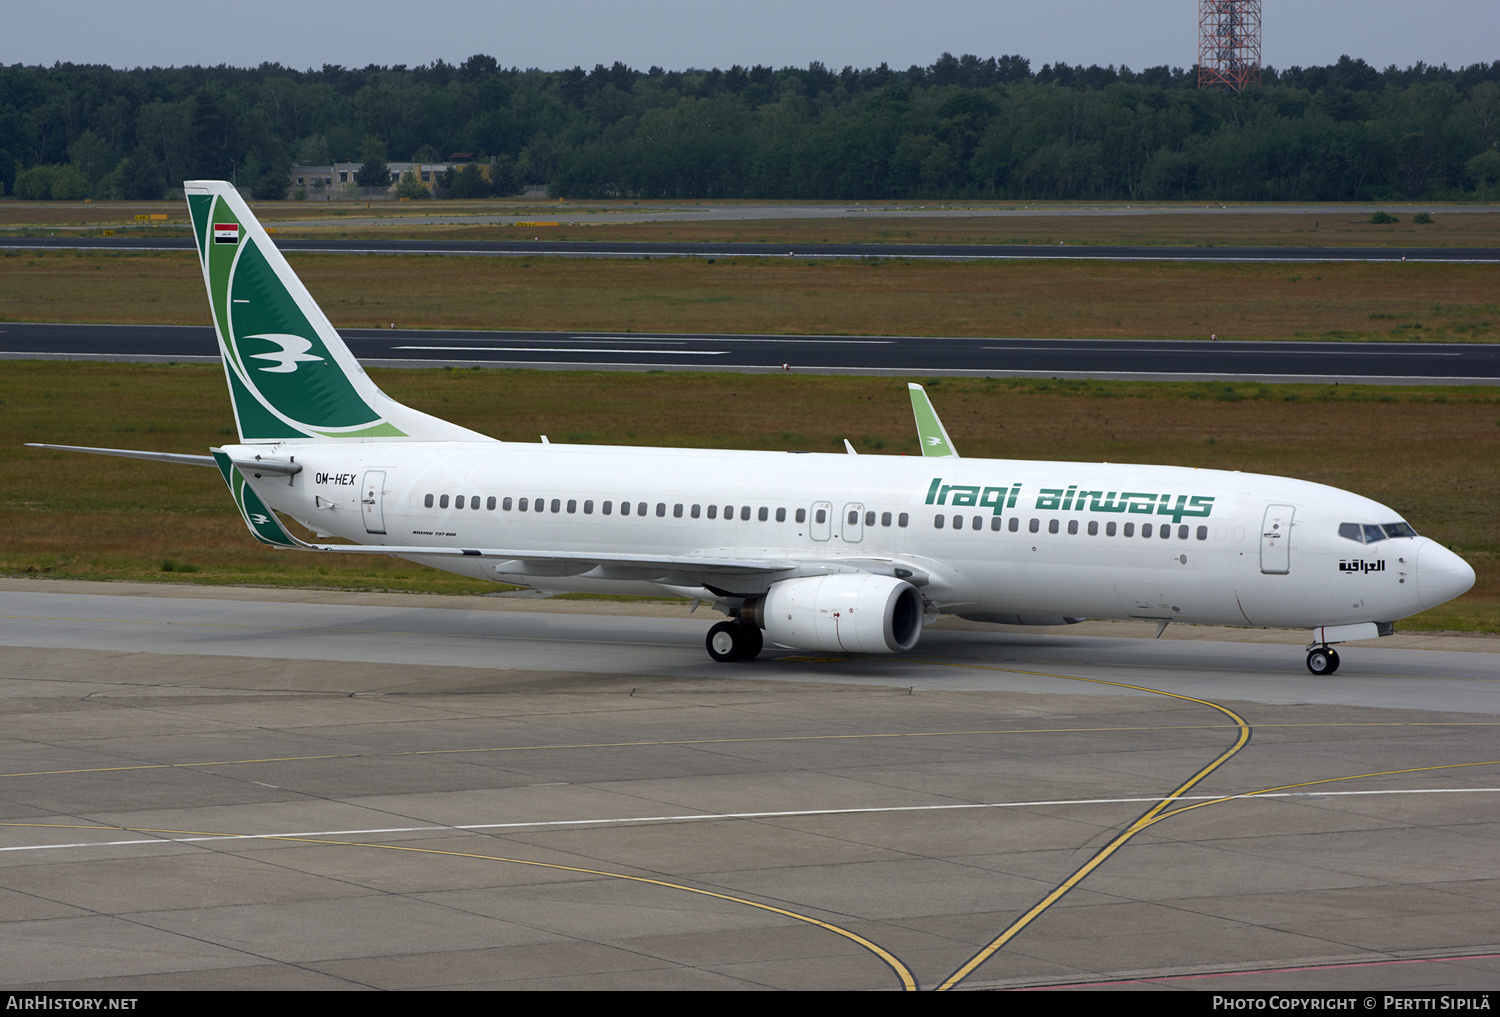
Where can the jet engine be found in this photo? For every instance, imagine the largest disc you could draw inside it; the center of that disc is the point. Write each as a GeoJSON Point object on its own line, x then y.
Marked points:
{"type": "Point", "coordinates": [850, 612]}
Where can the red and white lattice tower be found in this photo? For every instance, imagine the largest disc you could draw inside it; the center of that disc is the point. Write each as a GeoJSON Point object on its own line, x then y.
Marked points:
{"type": "Point", "coordinates": [1228, 44]}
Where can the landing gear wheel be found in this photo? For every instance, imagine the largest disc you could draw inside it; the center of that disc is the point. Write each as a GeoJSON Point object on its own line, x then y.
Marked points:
{"type": "Point", "coordinates": [1323, 661]}
{"type": "Point", "coordinates": [726, 642]}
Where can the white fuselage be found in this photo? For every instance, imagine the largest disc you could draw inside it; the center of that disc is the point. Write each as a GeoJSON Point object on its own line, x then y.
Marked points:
{"type": "Point", "coordinates": [1239, 548]}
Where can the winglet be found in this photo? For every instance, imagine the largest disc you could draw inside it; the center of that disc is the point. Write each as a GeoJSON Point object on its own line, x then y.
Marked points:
{"type": "Point", "coordinates": [934, 437]}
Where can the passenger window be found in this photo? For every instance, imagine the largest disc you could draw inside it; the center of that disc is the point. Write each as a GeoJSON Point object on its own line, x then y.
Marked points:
{"type": "Point", "coordinates": [1072, 527]}
{"type": "Point", "coordinates": [556, 504]}
{"type": "Point", "coordinates": [1036, 526]}
{"type": "Point", "coordinates": [489, 503]}
{"type": "Point", "coordinates": [713, 512]}
{"type": "Point", "coordinates": [1130, 530]}
{"type": "Point", "coordinates": [607, 507]}
{"type": "Point", "coordinates": [869, 518]}
{"type": "Point", "coordinates": [745, 513]}
{"type": "Point", "coordinates": [958, 522]}
{"type": "Point", "coordinates": [538, 505]}
{"type": "Point", "coordinates": [995, 523]}
{"type": "Point", "coordinates": [427, 502]}
{"type": "Point", "coordinates": [802, 515]}
{"type": "Point", "coordinates": [474, 503]}
{"type": "Point", "coordinates": [763, 514]}
{"type": "Point", "coordinates": [1015, 524]}
{"type": "Point", "coordinates": [522, 504]}
{"type": "Point", "coordinates": [1182, 532]}
{"type": "Point", "coordinates": [506, 504]}
{"type": "Point", "coordinates": [854, 517]}
{"type": "Point", "coordinates": [1093, 528]}
{"type": "Point", "coordinates": [781, 515]}
{"type": "Point", "coordinates": [885, 519]}
{"type": "Point", "coordinates": [640, 508]}
{"type": "Point", "coordinates": [1109, 529]}
{"type": "Point", "coordinates": [572, 506]}
{"type": "Point", "coordinates": [624, 508]}
{"type": "Point", "coordinates": [458, 501]}
{"type": "Point", "coordinates": [937, 522]}
{"type": "Point", "coordinates": [1052, 526]}
{"type": "Point", "coordinates": [728, 512]}
{"type": "Point", "coordinates": [697, 511]}
{"type": "Point", "coordinates": [1203, 533]}
{"type": "Point", "coordinates": [821, 517]}
{"type": "Point", "coordinates": [677, 511]}
{"type": "Point", "coordinates": [588, 508]}
{"type": "Point", "coordinates": [1145, 529]}
{"type": "Point", "coordinates": [443, 501]}
{"type": "Point", "coordinates": [661, 509]}
{"type": "Point", "coordinates": [977, 523]}
{"type": "Point", "coordinates": [901, 520]}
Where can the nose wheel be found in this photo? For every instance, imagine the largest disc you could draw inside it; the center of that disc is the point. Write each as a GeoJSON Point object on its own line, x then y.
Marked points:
{"type": "Point", "coordinates": [730, 641]}
{"type": "Point", "coordinates": [1323, 660]}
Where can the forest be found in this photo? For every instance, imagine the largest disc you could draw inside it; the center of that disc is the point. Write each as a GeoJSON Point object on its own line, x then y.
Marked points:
{"type": "Point", "coordinates": [963, 127]}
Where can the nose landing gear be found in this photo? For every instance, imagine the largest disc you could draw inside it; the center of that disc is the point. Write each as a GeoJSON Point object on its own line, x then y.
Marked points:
{"type": "Point", "coordinates": [1322, 660]}
{"type": "Point", "coordinates": [730, 641]}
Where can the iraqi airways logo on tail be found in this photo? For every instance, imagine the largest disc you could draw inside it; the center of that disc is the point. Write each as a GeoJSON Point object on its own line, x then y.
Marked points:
{"type": "Point", "coordinates": [293, 352]}
{"type": "Point", "coordinates": [226, 233]}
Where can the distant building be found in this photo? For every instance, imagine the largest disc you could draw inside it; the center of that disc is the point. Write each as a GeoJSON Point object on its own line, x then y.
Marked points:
{"type": "Point", "coordinates": [335, 182]}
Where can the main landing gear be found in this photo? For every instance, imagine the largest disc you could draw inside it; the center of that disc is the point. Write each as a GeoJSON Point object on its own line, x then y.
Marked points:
{"type": "Point", "coordinates": [730, 641]}
{"type": "Point", "coordinates": [1322, 660]}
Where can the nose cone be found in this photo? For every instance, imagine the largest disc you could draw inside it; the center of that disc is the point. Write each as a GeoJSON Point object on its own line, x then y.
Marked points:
{"type": "Point", "coordinates": [1441, 575]}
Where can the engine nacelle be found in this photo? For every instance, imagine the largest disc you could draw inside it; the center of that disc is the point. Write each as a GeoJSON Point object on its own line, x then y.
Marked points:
{"type": "Point", "coordinates": [850, 612]}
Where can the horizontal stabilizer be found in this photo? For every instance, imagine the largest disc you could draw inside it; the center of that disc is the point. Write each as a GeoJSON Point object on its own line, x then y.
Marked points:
{"type": "Point", "coordinates": [159, 457]}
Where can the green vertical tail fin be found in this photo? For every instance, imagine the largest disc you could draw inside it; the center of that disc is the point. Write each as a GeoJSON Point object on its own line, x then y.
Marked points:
{"type": "Point", "coordinates": [291, 378]}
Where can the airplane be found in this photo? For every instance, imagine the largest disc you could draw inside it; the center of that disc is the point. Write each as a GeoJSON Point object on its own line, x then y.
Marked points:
{"type": "Point", "coordinates": [807, 551]}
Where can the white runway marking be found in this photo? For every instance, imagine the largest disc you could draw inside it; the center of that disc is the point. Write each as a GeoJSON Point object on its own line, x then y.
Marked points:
{"type": "Point", "coordinates": [477, 827]}
{"type": "Point", "coordinates": [565, 349]}
{"type": "Point", "coordinates": [1234, 352]}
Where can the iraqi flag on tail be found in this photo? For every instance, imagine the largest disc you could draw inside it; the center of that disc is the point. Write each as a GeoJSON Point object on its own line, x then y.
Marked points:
{"type": "Point", "coordinates": [226, 233]}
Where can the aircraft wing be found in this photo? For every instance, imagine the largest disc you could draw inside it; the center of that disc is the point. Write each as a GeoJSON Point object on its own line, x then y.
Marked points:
{"type": "Point", "coordinates": [930, 429]}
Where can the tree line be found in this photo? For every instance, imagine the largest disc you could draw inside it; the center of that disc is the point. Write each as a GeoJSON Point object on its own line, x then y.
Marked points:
{"type": "Point", "coordinates": [963, 127]}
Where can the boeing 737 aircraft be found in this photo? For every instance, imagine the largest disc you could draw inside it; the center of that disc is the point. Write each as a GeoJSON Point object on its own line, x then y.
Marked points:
{"type": "Point", "coordinates": [817, 552]}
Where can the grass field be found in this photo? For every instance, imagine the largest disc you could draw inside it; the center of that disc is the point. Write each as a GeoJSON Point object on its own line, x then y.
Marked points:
{"type": "Point", "coordinates": [1363, 301]}
{"type": "Point", "coordinates": [1046, 223]}
{"type": "Point", "coordinates": [1429, 453]}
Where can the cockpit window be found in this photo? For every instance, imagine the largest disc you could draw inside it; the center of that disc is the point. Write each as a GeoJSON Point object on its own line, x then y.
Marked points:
{"type": "Point", "coordinates": [1369, 533]}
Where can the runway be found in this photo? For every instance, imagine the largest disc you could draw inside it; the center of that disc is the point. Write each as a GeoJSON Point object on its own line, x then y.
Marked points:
{"type": "Point", "coordinates": [1369, 363]}
{"type": "Point", "coordinates": [638, 249]}
{"type": "Point", "coordinates": [255, 789]}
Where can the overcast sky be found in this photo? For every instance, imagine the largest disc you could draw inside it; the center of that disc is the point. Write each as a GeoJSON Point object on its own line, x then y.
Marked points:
{"type": "Point", "coordinates": [676, 34]}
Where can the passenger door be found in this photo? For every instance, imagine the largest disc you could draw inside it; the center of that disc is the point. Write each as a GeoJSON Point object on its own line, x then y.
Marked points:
{"type": "Point", "coordinates": [372, 501]}
{"type": "Point", "coordinates": [1276, 540]}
